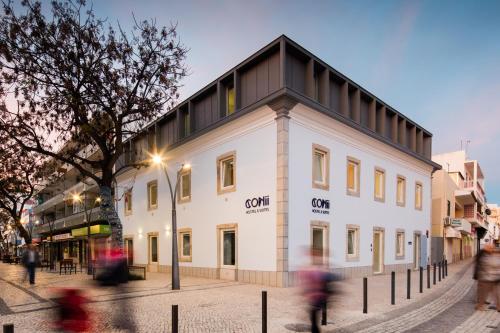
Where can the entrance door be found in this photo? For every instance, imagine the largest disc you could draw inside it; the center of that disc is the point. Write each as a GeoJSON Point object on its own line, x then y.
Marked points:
{"type": "Point", "coordinates": [228, 253]}
{"type": "Point", "coordinates": [153, 254]}
{"type": "Point", "coordinates": [129, 248]}
{"type": "Point", "coordinates": [378, 252]}
{"type": "Point", "coordinates": [416, 251]}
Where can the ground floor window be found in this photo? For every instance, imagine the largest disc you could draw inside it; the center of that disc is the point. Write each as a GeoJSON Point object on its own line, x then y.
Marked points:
{"type": "Point", "coordinates": [154, 249]}
{"type": "Point", "coordinates": [352, 243]}
{"type": "Point", "coordinates": [185, 244]}
{"type": "Point", "coordinates": [229, 247]}
{"type": "Point", "coordinates": [400, 244]}
{"type": "Point", "coordinates": [319, 242]}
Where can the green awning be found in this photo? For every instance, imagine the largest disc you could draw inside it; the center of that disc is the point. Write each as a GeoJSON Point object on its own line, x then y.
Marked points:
{"type": "Point", "coordinates": [100, 229]}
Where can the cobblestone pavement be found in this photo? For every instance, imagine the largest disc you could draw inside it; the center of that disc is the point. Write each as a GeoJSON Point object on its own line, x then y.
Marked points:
{"type": "Point", "coordinates": [223, 306]}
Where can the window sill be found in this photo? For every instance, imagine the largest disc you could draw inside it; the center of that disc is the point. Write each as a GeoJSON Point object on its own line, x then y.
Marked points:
{"type": "Point", "coordinates": [352, 193]}
{"type": "Point", "coordinates": [185, 259]}
{"type": "Point", "coordinates": [352, 258]}
{"type": "Point", "coordinates": [228, 189]}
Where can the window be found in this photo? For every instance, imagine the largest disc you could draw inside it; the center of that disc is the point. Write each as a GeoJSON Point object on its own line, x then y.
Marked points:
{"type": "Point", "coordinates": [353, 166]}
{"type": "Point", "coordinates": [448, 208]}
{"type": "Point", "coordinates": [231, 105]}
{"type": "Point", "coordinates": [418, 195]}
{"type": "Point", "coordinates": [187, 124]}
{"type": "Point", "coordinates": [185, 186]}
{"type": "Point", "coordinates": [352, 243]}
{"type": "Point", "coordinates": [128, 202]}
{"type": "Point", "coordinates": [319, 242]}
{"type": "Point", "coordinates": [400, 244]}
{"type": "Point", "coordinates": [321, 167]}
{"type": "Point", "coordinates": [379, 190]}
{"type": "Point", "coordinates": [229, 248]}
{"type": "Point", "coordinates": [185, 244]}
{"type": "Point", "coordinates": [401, 191]}
{"type": "Point", "coordinates": [153, 195]}
{"type": "Point", "coordinates": [226, 173]}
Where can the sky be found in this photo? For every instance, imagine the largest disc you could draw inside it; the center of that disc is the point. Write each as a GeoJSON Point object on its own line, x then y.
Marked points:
{"type": "Point", "coordinates": [437, 62]}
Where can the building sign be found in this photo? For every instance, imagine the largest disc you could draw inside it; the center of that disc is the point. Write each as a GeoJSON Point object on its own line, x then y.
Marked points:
{"type": "Point", "coordinates": [320, 206]}
{"type": "Point", "coordinates": [62, 236]}
{"type": "Point", "coordinates": [100, 229]}
{"type": "Point", "coordinates": [456, 222]}
{"type": "Point", "coordinates": [257, 205]}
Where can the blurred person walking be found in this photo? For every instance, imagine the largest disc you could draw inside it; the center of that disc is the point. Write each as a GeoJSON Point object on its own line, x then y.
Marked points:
{"type": "Point", "coordinates": [30, 260]}
{"type": "Point", "coordinates": [72, 316]}
{"type": "Point", "coordinates": [487, 274]}
{"type": "Point", "coordinates": [316, 283]}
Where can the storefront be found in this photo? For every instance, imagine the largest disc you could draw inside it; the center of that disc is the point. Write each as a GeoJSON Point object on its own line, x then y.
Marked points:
{"type": "Point", "coordinates": [98, 235]}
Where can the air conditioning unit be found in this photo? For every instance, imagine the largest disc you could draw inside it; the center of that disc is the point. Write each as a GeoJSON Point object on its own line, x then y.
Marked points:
{"type": "Point", "coordinates": [447, 220]}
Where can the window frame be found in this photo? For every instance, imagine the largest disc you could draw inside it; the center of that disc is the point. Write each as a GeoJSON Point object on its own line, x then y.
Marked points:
{"type": "Point", "coordinates": [128, 193]}
{"type": "Point", "coordinates": [357, 176]}
{"type": "Point", "coordinates": [401, 203]}
{"type": "Point", "coordinates": [375, 197]}
{"type": "Point", "coordinates": [398, 255]}
{"type": "Point", "coordinates": [220, 159]}
{"type": "Point", "coordinates": [325, 227]}
{"type": "Point", "coordinates": [355, 255]}
{"type": "Point", "coordinates": [326, 167]}
{"type": "Point", "coordinates": [180, 198]}
{"type": "Point", "coordinates": [181, 232]}
{"type": "Point", "coordinates": [149, 186]}
{"type": "Point", "coordinates": [419, 184]}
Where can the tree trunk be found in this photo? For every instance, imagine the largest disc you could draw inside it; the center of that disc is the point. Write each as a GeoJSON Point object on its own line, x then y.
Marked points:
{"type": "Point", "coordinates": [23, 232]}
{"type": "Point", "coordinates": [109, 214]}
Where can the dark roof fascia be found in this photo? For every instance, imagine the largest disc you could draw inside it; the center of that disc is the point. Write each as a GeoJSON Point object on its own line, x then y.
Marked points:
{"type": "Point", "coordinates": [347, 121]}
{"type": "Point", "coordinates": [365, 91]}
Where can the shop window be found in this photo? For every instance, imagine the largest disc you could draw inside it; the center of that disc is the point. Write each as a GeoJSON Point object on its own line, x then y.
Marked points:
{"type": "Point", "coordinates": [321, 167]}
{"type": "Point", "coordinates": [400, 244]}
{"type": "Point", "coordinates": [353, 176]}
{"type": "Point", "coordinates": [226, 173]}
{"type": "Point", "coordinates": [185, 244]}
{"type": "Point", "coordinates": [401, 191]}
{"type": "Point", "coordinates": [153, 195]}
{"type": "Point", "coordinates": [418, 195]}
{"type": "Point", "coordinates": [185, 186]}
{"type": "Point", "coordinates": [352, 243]}
{"type": "Point", "coordinates": [128, 202]}
{"type": "Point", "coordinates": [379, 182]}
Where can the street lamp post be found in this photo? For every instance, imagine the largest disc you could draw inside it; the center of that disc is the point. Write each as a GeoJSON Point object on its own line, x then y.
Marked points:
{"type": "Point", "coordinates": [158, 160]}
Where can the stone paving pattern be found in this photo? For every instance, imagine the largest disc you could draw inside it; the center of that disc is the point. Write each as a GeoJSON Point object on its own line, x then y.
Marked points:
{"type": "Point", "coordinates": [227, 306]}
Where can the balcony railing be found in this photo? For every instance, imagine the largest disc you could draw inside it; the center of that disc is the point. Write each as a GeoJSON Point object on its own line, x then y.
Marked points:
{"type": "Point", "coordinates": [468, 184]}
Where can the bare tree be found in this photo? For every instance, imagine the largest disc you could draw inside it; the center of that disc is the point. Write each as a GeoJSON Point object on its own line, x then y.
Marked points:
{"type": "Point", "coordinates": [83, 87]}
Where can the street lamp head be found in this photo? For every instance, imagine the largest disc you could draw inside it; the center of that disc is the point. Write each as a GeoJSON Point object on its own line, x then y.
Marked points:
{"type": "Point", "coordinates": [157, 159]}
{"type": "Point", "coordinates": [77, 197]}
{"type": "Point", "coordinates": [98, 200]}
{"type": "Point", "coordinates": [186, 166]}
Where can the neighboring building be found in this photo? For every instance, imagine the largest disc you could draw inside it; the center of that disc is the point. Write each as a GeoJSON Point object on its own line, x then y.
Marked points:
{"type": "Point", "coordinates": [493, 235]}
{"type": "Point", "coordinates": [458, 207]}
{"type": "Point", "coordinates": [285, 154]}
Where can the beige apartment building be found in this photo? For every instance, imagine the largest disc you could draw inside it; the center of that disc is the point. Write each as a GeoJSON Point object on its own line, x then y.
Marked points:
{"type": "Point", "coordinates": [458, 208]}
{"type": "Point", "coordinates": [493, 234]}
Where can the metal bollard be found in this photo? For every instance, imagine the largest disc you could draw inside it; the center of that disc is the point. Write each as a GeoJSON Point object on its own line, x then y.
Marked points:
{"type": "Point", "coordinates": [393, 288]}
{"type": "Point", "coordinates": [434, 273]}
{"type": "Point", "coordinates": [323, 314]}
{"type": "Point", "coordinates": [442, 269]}
{"type": "Point", "coordinates": [446, 267]}
{"type": "Point", "coordinates": [421, 279]}
{"type": "Point", "coordinates": [175, 319]}
{"type": "Point", "coordinates": [439, 275]}
{"type": "Point", "coordinates": [408, 283]}
{"type": "Point", "coordinates": [264, 311]}
{"type": "Point", "coordinates": [428, 276]}
{"type": "Point", "coordinates": [8, 328]}
{"type": "Point", "coordinates": [365, 295]}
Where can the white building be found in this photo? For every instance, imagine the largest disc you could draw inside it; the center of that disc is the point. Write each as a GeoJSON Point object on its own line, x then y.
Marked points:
{"type": "Point", "coordinates": [285, 154]}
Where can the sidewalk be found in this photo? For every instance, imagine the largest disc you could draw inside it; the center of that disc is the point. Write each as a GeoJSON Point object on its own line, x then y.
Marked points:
{"type": "Point", "coordinates": [223, 306]}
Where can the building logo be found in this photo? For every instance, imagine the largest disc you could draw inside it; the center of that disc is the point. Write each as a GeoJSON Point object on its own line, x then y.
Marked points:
{"type": "Point", "coordinates": [320, 206]}
{"type": "Point", "coordinates": [257, 205]}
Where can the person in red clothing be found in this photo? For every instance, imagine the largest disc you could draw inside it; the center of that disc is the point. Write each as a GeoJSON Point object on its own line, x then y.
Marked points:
{"type": "Point", "coordinates": [72, 314]}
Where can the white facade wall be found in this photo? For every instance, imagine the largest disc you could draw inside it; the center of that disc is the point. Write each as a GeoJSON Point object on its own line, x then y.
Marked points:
{"type": "Point", "coordinates": [253, 138]}
{"type": "Point", "coordinates": [308, 127]}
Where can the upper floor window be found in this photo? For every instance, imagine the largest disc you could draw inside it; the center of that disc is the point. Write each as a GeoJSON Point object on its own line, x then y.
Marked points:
{"type": "Point", "coordinates": [353, 172]}
{"type": "Point", "coordinates": [185, 186]}
{"type": "Point", "coordinates": [226, 173]}
{"type": "Point", "coordinates": [418, 195]}
{"type": "Point", "coordinates": [321, 167]}
{"type": "Point", "coordinates": [231, 100]}
{"type": "Point", "coordinates": [128, 202]}
{"type": "Point", "coordinates": [401, 191]}
{"type": "Point", "coordinates": [379, 190]}
{"type": "Point", "coordinates": [153, 195]}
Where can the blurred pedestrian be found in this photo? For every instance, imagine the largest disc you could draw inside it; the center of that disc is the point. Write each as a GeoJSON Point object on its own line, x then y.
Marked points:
{"type": "Point", "coordinates": [72, 315]}
{"type": "Point", "coordinates": [30, 260]}
{"type": "Point", "coordinates": [316, 283]}
{"type": "Point", "coordinates": [487, 274]}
